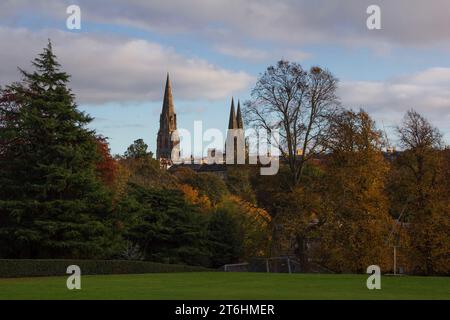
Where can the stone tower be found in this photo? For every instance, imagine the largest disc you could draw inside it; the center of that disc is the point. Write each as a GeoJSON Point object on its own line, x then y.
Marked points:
{"type": "Point", "coordinates": [167, 145]}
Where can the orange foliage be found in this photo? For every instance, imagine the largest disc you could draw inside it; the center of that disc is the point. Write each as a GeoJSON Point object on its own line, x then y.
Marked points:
{"type": "Point", "coordinates": [107, 166]}
{"type": "Point", "coordinates": [192, 196]}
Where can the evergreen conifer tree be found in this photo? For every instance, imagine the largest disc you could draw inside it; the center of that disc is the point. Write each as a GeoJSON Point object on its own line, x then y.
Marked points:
{"type": "Point", "coordinates": [52, 204]}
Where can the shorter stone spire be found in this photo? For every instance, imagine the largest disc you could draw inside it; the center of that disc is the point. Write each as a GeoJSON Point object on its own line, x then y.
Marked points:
{"type": "Point", "coordinates": [240, 123]}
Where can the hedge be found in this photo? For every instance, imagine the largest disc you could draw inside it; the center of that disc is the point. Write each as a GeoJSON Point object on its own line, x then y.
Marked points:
{"type": "Point", "coordinates": [10, 268]}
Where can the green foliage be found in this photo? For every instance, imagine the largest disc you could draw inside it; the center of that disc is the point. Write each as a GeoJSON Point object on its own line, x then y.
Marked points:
{"type": "Point", "coordinates": [165, 226]}
{"type": "Point", "coordinates": [51, 204]}
{"type": "Point", "coordinates": [146, 172]}
{"type": "Point", "coordinates": [138, 150]}
{"type": "Point", "coordinates": [226, 238]}
{"type": "Point", "coordinates": [269, 188]}
{"type": "Point", "coordinates": [10, 268]}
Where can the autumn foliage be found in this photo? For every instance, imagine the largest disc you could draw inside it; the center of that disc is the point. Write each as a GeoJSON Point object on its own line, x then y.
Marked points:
{"type": "Point", "coordinates": [106, 167]}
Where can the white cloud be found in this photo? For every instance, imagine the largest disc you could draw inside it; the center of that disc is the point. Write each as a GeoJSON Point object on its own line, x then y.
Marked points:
{"type": "Point", "coordinates": [427, 91]}
{"type": "Point", "coordinates": [111, 69]}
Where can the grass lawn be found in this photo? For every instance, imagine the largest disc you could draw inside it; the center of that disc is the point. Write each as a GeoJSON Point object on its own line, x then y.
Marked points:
{"type": "Point", "coordinates": [219, 285]}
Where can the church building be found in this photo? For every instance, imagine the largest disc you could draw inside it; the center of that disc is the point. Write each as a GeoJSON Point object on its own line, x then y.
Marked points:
{"type": "Point", "coordinates": [168, 143]}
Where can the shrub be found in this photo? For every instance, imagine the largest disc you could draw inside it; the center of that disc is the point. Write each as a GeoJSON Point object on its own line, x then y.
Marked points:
{"type": "Point", "coordinates": [10, 268]}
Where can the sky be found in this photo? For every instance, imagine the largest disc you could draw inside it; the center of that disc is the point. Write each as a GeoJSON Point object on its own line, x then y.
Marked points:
{"type": "Point", "coordinates": [216, 49]}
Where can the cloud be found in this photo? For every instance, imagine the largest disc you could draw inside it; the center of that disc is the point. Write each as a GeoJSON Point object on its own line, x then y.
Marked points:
{"type": "Point", "coordinates": [427, 91]}
{"type": "Point", "coordinates": [258, 55]}
{"type": "Point", "coordinates": [111, 69]}
{"type": "Point", "coordinates": [243, 52]}
{"type": "Point", "coordinates": [294, 22]}
{"type": "Point", "coordinates": [191, 109]}
{"type": "Point", "coordinates": [295, 55]}
{"type": "Point", "coordinates": [124, 126]}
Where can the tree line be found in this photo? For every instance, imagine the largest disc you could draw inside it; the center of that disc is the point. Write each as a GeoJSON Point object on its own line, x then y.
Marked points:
{"type": "Point", "coordinates": [63, 195]}
{"type": "Point", "coordinates": [343, 203]}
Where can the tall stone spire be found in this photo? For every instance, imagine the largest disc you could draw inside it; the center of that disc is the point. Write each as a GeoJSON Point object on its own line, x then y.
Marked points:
{"type": "Point", "coordinates": [240, 123]}
{"type": "Point", "coordinates": [167, 125]}
{"type": "Point", "coordinates": [168, 98]}
{"type": "Point", "coordinates": [232, 123]}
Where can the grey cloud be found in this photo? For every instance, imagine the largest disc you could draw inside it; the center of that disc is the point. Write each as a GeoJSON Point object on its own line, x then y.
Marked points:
{"type": "Point", "coordinates": [257, 55]}
{"type": "Point", "coordinates": [294, 22]}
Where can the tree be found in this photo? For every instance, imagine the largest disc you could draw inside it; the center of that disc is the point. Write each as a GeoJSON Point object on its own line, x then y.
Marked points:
{"type": "Point", "coordinates": [138, 150]}
{"type": "Point", "coordinates": [207, 184]}
{"type": "Point", "coordinates": [353, 216]}
{"type": "Point", "coordinates": [52, 204]}
{"type": "Point", "coordinates": [417, 133]}
{"type": "Point", "coordinates": [192, 196]}
{"type": "Point", "coordinates": [225, 238]}
{"type": "Point", "coordinates": [298, 103]}
{"type": "Point", "coordinates": [239, 182]}
{"type": "Point", "coordinates": [107, 167]}
{"type": "Point", "coordinates": [419, 187]}
{"type": "Point", "coordinates": [164, 225]}
{"type": "Point", "coordinates": [143, 169]}
{"type": "Point", "coordinates": [253, 223]}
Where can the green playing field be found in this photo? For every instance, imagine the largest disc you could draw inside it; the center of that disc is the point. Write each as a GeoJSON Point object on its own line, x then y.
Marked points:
{"type": "Point", "coordinates": [220, 285]}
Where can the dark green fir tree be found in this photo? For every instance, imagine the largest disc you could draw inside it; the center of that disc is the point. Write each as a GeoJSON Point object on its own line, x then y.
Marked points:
{"type": "Point", "coordinates": [52, 204]}
{"type": "Point", "coordinates": [165, 226]}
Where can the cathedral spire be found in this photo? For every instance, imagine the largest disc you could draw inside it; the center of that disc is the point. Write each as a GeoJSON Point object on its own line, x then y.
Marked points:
{"type": "Point", "coordinates": [168, 98]}
{"type": "Point", "coordinates": [240, 123]}
{"type": "Point", "coordinates": [166, 143]}
{"type": "Point", "coordinates": [232, 123]}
